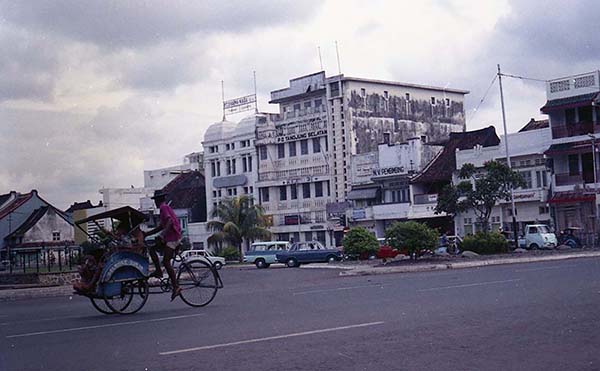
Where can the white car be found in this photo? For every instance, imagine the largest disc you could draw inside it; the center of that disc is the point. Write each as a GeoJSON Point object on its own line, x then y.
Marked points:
{"type": "Point", "coordinates": [217, 261]}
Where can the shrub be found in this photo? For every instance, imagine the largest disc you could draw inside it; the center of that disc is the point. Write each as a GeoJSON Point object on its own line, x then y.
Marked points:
{"type": "Point", "coordinates": [485, 243]}
{"type": "Point", "coordinates": [411, 237]}
{"type": "Point", "coordinates": [359, 241]}
{"type": "Point", "coordinates": [230, 253]}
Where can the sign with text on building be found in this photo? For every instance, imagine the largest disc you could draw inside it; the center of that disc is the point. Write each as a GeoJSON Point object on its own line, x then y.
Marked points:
{"type": "Point", "coordinates": [240, 104]}
{"type": "Point", "coordinates": [388, 171]}
{"type": "Point", "coordinates": [306, 135]}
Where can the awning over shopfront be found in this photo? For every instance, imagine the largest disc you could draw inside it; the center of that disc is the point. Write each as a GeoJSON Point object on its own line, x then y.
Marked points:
{"type": "Point", "coordinates": [569, 148]}
{"type": "Point", "coordinates": [569, 102]}
{"type": "Point", "coordinates": [571, 197]}
{"type": "Point", "coordinates": [363, 194]}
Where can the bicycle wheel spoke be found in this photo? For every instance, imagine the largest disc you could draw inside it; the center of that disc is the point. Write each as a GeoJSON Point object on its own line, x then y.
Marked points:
{"type": "Point", "coordinates": [198, 282]}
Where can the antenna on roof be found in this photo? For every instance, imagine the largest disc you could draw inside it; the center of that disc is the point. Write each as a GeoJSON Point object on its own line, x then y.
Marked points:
{"type": "Point", "coordinates": [338, 57]}
{"type": "Point", "coordinates": [223, 97]}
{"type": "Point", "coordinates": [255, 96]}
{"type": "Point", "coordinates": [320, 59]}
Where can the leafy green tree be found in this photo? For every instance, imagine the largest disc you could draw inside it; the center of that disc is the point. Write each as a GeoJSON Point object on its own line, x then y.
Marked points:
{"type": "Point", "coordinates": [237, 221]}
{"type": "Point", "coordinates": [480, 190]}
{"type": "Point", "coordinates": [359, 241]}
{"type": "Point", "coordinates": [411, 236]}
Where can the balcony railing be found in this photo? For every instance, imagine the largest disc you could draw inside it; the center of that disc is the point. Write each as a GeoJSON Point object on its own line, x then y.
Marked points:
{"type": "Point", "coordinates": [568, 179]}
{"type": "Point", "coordinates": [575, 129]}
{"type": "Point", "coordinates": [294, 173]}
{"type": "Point", "coordinates": [426, 199]}
{"type": "Point", "coordinates": [300, 113]}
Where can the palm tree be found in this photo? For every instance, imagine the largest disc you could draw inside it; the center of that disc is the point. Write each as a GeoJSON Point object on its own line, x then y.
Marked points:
{"type": "Point", "coordinates": [237, 221]}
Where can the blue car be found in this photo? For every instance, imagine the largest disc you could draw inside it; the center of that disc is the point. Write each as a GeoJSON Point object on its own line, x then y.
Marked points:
{"type": "Point", "coordinates": [308, 252]}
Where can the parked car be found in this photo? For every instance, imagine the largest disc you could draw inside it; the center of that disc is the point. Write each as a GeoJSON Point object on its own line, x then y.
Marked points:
{"type": "Point", "coordinates": [217, 261]}
{"type": "Point", "coordinates": [386, 251]}
{"type": "Point", "coordinates": [538, 236]}
{"type": "Point", "coordinates": [308, 252]}
{"type": "Point", "coordinates": [263, 254]}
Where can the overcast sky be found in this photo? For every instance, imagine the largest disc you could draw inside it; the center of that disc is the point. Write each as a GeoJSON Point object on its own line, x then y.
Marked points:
{"type": "Point", "coordinates": [94, 92]}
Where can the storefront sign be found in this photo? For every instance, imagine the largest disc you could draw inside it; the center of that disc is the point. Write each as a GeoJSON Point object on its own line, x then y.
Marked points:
{"type": "Point", "coordinates": [359, 214]}
{"type": "Point", "coordinates": [388, 171]}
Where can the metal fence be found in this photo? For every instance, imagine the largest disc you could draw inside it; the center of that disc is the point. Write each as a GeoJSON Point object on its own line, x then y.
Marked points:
{"type": "Point", "coordinates": [38, 260]}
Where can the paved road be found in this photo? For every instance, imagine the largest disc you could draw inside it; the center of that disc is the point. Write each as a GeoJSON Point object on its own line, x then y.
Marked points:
{"type": "Point", "coordinates": [543, 316]}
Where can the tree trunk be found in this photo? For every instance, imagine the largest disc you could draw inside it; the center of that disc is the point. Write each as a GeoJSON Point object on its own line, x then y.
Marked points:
{"type": "Point", "coordinates": [240, 253]}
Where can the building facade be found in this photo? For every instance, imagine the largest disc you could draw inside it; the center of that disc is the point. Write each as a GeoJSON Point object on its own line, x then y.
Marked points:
{"type": "Point", "coordinates": [230, 160]}
{"type": "Point", "coordinates": [573, 109]}
{"type": "Point", "coordinates": [294, 178]}
{"type": "Point", "coordinates": [531, 201]}
{"type": "Point", "coordinates": [381, 190]}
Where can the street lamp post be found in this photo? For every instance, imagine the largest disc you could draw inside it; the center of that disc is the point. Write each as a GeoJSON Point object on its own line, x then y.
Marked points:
{"type": "Point", "coordinates": [593, 137]}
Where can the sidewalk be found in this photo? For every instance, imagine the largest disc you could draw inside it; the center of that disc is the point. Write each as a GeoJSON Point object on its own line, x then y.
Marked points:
{"type": "Point", "coordinates": [406, 266]}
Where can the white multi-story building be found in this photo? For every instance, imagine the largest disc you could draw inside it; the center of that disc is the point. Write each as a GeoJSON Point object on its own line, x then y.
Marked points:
{"type": "Point", "coordinates": [293, 162]}
{"type": "Point", "coordinates": [381, 189]}
{"type": "Point", "coordinates": [527, 149]}
{"type": "Point", "coordinates": [573, 109]}
{"type": "Point", "coordinates": [230, 163]}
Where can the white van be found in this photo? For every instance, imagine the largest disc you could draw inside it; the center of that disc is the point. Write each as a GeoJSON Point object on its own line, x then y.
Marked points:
{"type": "Point", "coordinates": [262, 254]}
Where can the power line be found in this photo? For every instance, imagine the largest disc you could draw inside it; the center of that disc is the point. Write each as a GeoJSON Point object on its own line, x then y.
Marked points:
{"type": "Point", "coordinates": [483, 98]}
{"type": "Point", "coordinates": [522, 77]}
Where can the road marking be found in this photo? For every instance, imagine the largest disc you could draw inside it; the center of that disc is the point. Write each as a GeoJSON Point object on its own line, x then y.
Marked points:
{"type": "Point", "coordinates": [270, 338]}
{"type": "Point", "coordinates": [544, 268]}
{"type": "Point", "coordinates": [335, 289]}
{"type": "Point", "coordinates": [469, 285]}
{"type": "Point", "coordinates": [40, 320]}
{"type": "Point", "coordinates": [101, 326]}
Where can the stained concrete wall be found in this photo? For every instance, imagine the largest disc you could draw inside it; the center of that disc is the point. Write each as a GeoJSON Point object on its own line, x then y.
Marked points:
{"type": "Point", "coordinates": [373, 115]}
{"type": "Point", "coordinates": [51, 222]}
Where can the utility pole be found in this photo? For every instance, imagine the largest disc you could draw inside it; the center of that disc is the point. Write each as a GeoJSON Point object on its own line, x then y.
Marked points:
{"type": "Point", "coordinates": [512, 198]}
{"type": "Point", "coordinates": [593, 137]}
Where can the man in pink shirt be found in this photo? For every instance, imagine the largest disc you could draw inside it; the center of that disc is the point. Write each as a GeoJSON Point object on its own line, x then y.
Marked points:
{"type": "Point", "coordinates": [168, 240]}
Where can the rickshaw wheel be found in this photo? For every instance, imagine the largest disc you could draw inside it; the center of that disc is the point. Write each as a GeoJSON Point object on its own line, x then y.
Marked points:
{"type": "Point", "coordinates": [198, 282]}
{"type": "Point", "coordinates": [132, 297]}
{"type": "Point", "coordinates": [101, 306]}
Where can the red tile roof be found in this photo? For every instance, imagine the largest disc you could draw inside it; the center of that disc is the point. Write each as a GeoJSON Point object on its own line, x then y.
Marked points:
{"type": "Point", "coordinates": [441, 167]}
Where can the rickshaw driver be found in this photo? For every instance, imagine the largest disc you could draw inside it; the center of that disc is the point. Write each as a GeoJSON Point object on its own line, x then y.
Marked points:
{"type": "Point", "coordinates": [168, 241]}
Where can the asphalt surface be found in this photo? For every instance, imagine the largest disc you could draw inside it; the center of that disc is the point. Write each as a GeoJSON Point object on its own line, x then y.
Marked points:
{"type": "Point", "coordinates": [539, 316]}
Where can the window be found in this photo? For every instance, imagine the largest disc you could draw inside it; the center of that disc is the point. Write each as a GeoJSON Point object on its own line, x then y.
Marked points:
{"type": "Point", "coordinates": [218, 167]}
{"type": "Point", "coordinates": [249, 163]}
{"type": "Point", "coordinates": [307, 104]}
{"type": "Point", "coordinates": [263, 152]}
{"type": "Point", "coordinates": [540, 177]}
{"type": "Point", "coordinates": [294, 192]}
{"type": "Point", "coordinates": [213, 171]}
{"type": "Point", "coordinates": [304, 147]}
{"type": "Point", "coordinates": [232, 146]}
{"type": "Point", "coordinates": [544, 210]}
{"type": "Point", "coordinates": [233, 167]}
{"type": "Point", "coordinates": [363, 92]}
{"type": "Point", "coordinates": [244, 164]}
{"type": "Point", "coordinates": [264, 194]}
{"type": "Point", "coordinates": [318, 189]}
{"type": "Point", "coordinates": [334, 89]}
{"type": "Point", "coordinates": [228, 167]}
{"type": "Point", "coordinates": [306, 190]}
{"type": "Point", "coordinates": [586, 114]}
{"type": "Point", "coordinates": [385, 94]}
{"type": "Point", "coordinates": [447, 102]}
{"type": "Point", "coordinates": [318, 103]}
{"type": "Point", "coordinates": [297, 107]}
{"type": "Point", "coordinates": [280, 150]}
{"type": "Point", "coordinates": [570, 116]}
{"type": "Point", "coordinates": [56, 236]}
{"type": "Point", "coordinates": [316, 145]}
{"type": "Point", "coordinates": [328, 188]}
{"type": "Point", "coordinates": [407, 96]}
{"type": "Point", "coordinates": [282, 193]}
{"type": "Point", "coordinates": [292, 148]}
{"type": "Point", "coordinates": [433, 101]}
{"type": "Point", "coordinates": [527, 177]}
{"type": "Point", "coordinates": [227, 147]}
{"type": "Point", "coordinates": [574, 164]}
{"type": "Point", "coordinates": [214, 194]}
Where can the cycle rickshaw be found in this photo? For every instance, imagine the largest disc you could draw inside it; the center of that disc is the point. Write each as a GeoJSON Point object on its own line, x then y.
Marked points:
{"type": "Point", "coordinates": [122, 280]}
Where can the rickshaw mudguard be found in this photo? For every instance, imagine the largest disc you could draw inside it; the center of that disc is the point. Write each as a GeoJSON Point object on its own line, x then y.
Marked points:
{"type": "Point", "coordinates": [124, 265]}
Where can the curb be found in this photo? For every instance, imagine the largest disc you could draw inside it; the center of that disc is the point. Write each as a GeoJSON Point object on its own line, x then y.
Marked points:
{"type": "Point", "coordinates": [363, 271]}
{"type": "Point", "coordinates": [34, 293]}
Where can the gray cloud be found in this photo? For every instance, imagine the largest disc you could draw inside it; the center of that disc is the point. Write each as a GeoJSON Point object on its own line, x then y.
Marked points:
{"type": "Point", "coordinates": [140, 23]}
{"type": "Point", "coordinates": [28, 65]}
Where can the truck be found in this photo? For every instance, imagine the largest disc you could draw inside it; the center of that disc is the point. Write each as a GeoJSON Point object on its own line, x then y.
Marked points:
{"type": "Point", "coordinates": [538, 236]}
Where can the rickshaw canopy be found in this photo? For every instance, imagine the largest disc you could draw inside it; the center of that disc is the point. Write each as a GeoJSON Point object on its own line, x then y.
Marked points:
{"type": "Point", "coordinates": [125, 214]}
